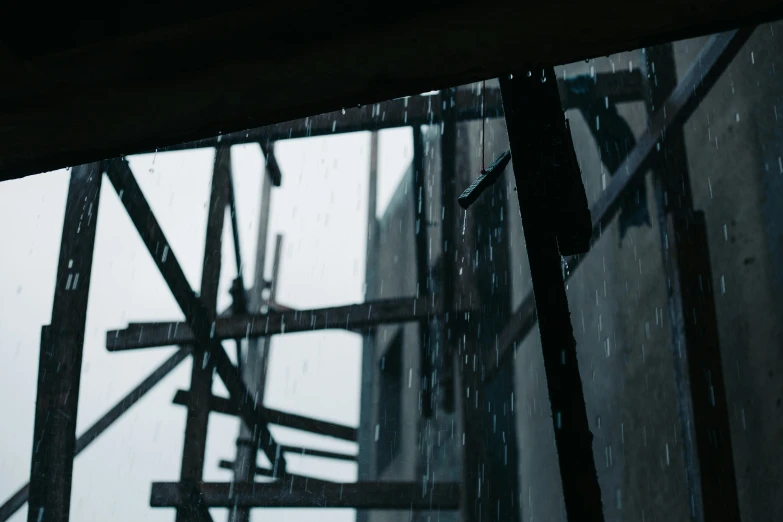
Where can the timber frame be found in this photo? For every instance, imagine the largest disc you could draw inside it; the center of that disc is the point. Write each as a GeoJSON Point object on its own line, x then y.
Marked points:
{"type": "Point", "coordinates": [204, 329]}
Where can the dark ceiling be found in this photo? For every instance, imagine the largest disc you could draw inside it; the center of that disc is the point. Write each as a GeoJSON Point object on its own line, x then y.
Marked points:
{"type": "Point", "coordinates": [85, 83]}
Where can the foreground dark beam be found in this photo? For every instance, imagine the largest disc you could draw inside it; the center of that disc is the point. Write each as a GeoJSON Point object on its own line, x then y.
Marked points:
{"type": "Point", "coordinates": [312, 493]}
{"type": "Point", "coordinates": [120, 175]}
{"type": "Point", "coordinates": [415, 47]}
{"type": "Point", "coordinates": [544, 196]}
{"type": "Point", "coordinates": [62, 344]}
{"type": "Point", "coordinates": [281, 418]}
{"type": "Point", "coordinates": [13, 504]}
{"type": "Point", "coordinates": [349, 317]}
{"type": "Point", "coordinates": [697, 82]}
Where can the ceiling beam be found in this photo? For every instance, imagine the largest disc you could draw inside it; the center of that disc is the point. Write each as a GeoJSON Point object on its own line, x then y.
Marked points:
{"type": "Point", "coordinates": [257, 67]}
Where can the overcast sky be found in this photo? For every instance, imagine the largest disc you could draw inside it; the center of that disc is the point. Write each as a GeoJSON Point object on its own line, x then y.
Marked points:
{"type": "Point", "coordinates": [321, 209]}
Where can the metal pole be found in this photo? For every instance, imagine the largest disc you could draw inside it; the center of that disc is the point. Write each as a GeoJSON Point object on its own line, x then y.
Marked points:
{"type": "Point", "coordinates": [534, 120]}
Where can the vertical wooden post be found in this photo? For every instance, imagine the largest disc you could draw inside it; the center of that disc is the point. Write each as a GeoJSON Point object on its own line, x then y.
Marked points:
{"type": "Point", "coordinates": [62, 344]}
{"type": "Point", "coordinates": [421, 240]}
{"type": "Point", "coordinates": [701, 392]}
{"type": "Point", "coordinates": [201, 373]}
{"type": "Point", "coordinates": [534, 120]}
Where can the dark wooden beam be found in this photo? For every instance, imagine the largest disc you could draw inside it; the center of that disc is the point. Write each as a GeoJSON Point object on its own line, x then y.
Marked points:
{"type": "Point", "coordinates": [349, 317]}
{"type": "Point", "coordinates": [281, 418]}
{"type": "Point", "coordinates": [62, 344]}
{"type": "Point", "coordinates": [120, 175]}
{"type": "Point", "coordinates": [533, 129]}
{"type": "Point", "coordinates": [697, 82]}
{"type": "Point", "coordinates": [195, 444]}
{"type": "Point", "coordinates": [97, 100]}
{"type": "Point", "coordinates": [305, 452]}
{"type": "Point", "coordinates": [312, 493]}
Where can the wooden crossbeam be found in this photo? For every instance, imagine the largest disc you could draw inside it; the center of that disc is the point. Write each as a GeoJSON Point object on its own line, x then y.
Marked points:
{"type": "Point", "coordinates": [305, 492]}
{"type": "Point", "coordinates": [302, 452]}
{"type": "Point", "coordinates": [697, 82]}
{"type": "Point", "coordinates": [119, 173]}
{"type": "Point", "coordinates": [621, 86]}
{"type": "Point", "coordinates": [349, 317]}
{"type": "Point", "coordinates": [280, 418]}
{"type": "Point", "coordinates": [19, 498]}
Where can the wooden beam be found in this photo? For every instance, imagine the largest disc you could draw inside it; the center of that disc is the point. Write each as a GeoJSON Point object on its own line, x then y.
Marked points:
{"type": "Point", "coordinates": [708, 66]}
{"type": "Point", "coordinates": [146, 224]}
{"type": "Point", "coordinates": [281, 418]}
{"type": "Point", "coordinates": [312, 493]}
{"type": "Point", "coordinates": [62, 344]}
{"type": "Point", "coordinates": [195, 443]}
{"type": "Point", "coordinates": [533, 131]}
{"type": "Point", "coordinates": [349, 317]}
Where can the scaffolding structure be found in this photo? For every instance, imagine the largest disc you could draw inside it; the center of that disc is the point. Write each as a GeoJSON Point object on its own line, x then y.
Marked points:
{"type": "Point", "coordinates": [255, 316]}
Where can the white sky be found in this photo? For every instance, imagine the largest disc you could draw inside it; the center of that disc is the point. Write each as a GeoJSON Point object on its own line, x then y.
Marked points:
{"type": "Point", "coordinates": [321, 209]}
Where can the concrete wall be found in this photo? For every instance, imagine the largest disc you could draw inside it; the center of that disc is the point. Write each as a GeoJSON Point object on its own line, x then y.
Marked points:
{"type": "Point", "coordinates": [619, 311]}
{"type": "Point", "coordinates": [619, 308]}
{"type": "Point", "coordinates": [735, 142]}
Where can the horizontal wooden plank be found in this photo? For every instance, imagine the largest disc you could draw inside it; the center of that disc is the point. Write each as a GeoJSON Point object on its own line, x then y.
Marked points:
{"type": "Point", "coordinates": [349, 317]}
{"type": "Point", "coordinates": [280, 418]}
{"type": "Point", "coordinates": [304, 492]}
{"type": "Point", "coordinates": [189, 81]}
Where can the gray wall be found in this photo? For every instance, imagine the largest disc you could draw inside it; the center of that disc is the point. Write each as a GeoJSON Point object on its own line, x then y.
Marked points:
{"type": "Point", "coordinates": [619, 306]}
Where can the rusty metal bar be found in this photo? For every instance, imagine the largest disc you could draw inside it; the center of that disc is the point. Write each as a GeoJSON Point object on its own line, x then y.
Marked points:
{"type": "Point", "coordinates": [533, 128]}
{"type": "Point", "coordinates": [305, 492]}
{"type": "Point", "coordinates": [349, 317]}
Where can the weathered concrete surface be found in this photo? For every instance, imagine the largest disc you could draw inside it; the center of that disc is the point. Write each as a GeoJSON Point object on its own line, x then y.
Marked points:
{"type": "Point", "coordinates": [735, 142]}
{"type": "Point", "coordinates": [619, 305]}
